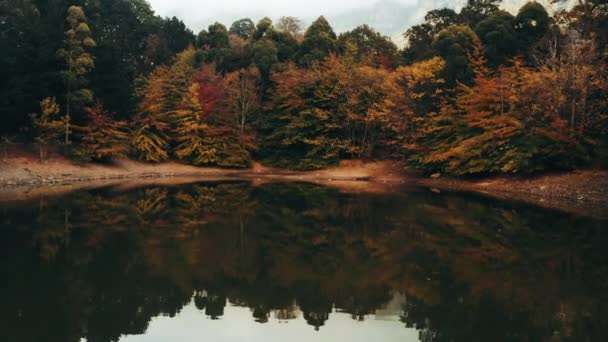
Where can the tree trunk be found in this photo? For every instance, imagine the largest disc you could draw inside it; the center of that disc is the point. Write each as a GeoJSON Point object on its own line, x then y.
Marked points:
{"type": "Point", "coordinates": [573, 113]}
{"type": "Point", "coordinates": [67, 129]}
{"type": "Point", "coordinates": [69, 99]}
{"type": "Point", "coordinates": [364, 138]}
{"type": "Point", "coordinates": [583, 110]}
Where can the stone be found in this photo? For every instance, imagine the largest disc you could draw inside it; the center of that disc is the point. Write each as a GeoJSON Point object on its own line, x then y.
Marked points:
{"type": "Point", "coordinates": [436, 176]}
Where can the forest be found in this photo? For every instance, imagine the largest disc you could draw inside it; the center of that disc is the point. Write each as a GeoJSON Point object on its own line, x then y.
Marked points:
{"type": "Point", "coordinates": [477, 91]}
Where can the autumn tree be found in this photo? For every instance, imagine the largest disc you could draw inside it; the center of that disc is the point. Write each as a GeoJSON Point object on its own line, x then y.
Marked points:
{"type": "Point", "coordinates": [203, 131]}
{"type": "Point", "coordinates": [413, 94]}
{"type": "Point", "coordinates": [78, 62]}
{"type": "Point", "coordinates": [322, 114]}
{"type": "Point", "coordinates": [582, 88]}
{"type": "Point", "coordinates": [149, 137]}
{"type": "Point", "coordinates": [243, 95]}
{"type": "Point", "coordinates": [305, 128]}
{"type": "Point", "coordinates": [497, 126]}
{"type": "Point", "coordinates": [364, 120]}
{"type": "Point", "coordinates": [590, 19]}
{"type": "Point", "coordinates": [189, 129]}
{"type": "Point", "coordinates": [48, 123]}
{"type": "Point", "coordinates": [225, 145]}
{"type": "Point", "coordinates": [162, 94]}
{"type": "Point", "coordinates": [103, 137]}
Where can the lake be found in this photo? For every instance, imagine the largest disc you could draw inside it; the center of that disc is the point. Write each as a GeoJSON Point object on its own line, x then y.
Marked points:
{"type": "Point", "coordinates": [231, 261]}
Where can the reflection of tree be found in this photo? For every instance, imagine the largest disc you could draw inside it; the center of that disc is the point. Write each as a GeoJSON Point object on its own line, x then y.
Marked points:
{"type": "Point", "coordinates": [471, 270]}
{"type": "Point", "coordinates": [200, 299]}
{"type": "Point", "coordinates": [363, 302]}
{"type": "Point", "coordinates": [55, 232]}
{"type": "Point", "coordinates": [315, 308]}
{"type": "Point", "coordinates": [215, 306]}
{"type": "Point", "coordinates": [151, 205]}
{"type": "Point", "coordinates": [287, 313]}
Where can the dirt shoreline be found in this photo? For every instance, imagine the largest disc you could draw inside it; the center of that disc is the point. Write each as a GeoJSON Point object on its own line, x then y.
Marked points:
{"type": "Point", "coordinates": [582, 192]}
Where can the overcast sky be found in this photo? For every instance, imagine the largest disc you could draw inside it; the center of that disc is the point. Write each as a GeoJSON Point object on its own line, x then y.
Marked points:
{"type": "Point", "coordinates": [343, 14]}
{"type": "Point", "coordinates": [210, 8]}
{"type": "Point", "coordinates": [197, 13]}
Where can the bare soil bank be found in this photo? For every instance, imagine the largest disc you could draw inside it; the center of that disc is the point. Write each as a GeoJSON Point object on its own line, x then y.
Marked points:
{"type": "Point", "coordinates": [580, 192]}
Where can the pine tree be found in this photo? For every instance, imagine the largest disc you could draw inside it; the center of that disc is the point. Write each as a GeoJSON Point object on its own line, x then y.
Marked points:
{"type": "Point", "coordinates": [190, 130]}
{"type": "Point", "coordinates": [161, 95]}
{"type": "Point", "coordinates": [149, 138]}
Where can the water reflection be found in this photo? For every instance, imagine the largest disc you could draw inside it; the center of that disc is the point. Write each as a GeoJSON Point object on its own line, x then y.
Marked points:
{"type": "Point", "coordinates": [189, 325]}
{"type": "Point", "coordinates": [103, 264]}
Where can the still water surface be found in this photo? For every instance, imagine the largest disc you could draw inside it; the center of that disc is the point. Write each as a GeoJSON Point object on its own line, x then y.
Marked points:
{"type": "Point", "coordinates": [297, 262]}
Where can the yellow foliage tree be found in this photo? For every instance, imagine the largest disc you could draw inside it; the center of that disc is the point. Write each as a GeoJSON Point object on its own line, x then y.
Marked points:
{"type": "Point", "coordinates": [190, 130]}
{"type": "Point", "coordinates": [412, 94]}
{"type": "Point", "coordinates": [364, 119]}
{"type": "Point", "coordinates": [149, 139]}
{"type": "Point", "coordinates": [160, 97]}
{"type": "Point", "coordinates": [48, 123]}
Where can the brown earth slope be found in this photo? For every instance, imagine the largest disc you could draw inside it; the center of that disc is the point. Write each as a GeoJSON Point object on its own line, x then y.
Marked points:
{"type": "Point", "coordinates": [582, 192]}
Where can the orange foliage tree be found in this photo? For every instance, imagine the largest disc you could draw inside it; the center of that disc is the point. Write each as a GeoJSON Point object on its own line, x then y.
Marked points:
{"type": "Point", "coordinates": [501, 124]}
{"type": "Point", "coordinates": [321, 114]}
{"type": "Point", "coordinates": [202, 128]}
{"type": "Point", "coordinates": [103, 137]}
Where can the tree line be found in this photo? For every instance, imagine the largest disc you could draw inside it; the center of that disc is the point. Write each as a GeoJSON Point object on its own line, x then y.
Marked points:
{"type": "Point", "coordinates": [478, 91]}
